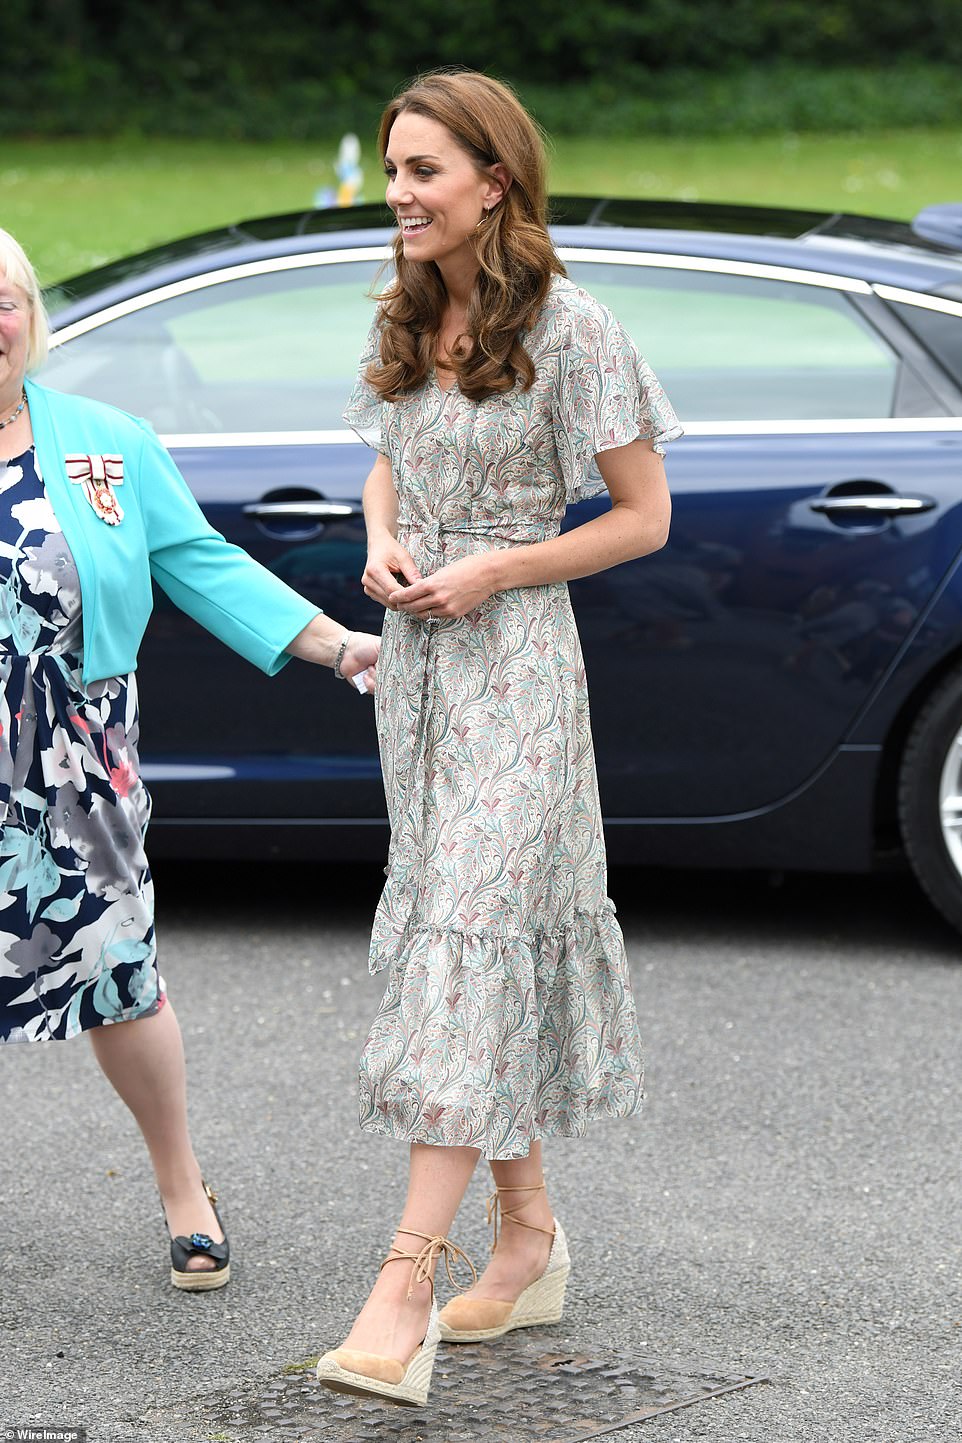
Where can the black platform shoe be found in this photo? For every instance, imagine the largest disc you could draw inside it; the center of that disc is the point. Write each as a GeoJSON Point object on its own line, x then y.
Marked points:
{"type": "Point", "coordinates": [182, 1249]}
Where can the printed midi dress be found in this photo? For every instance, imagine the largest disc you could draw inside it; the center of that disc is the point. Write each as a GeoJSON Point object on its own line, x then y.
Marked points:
{"type": "Point", "coordinates": [76, 900]}
{"type": "Point", "coordinates": [508, 1013]}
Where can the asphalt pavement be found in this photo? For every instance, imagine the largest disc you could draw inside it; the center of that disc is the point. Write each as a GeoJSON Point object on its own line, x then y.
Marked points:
{"type": "Point", "coordinates": [787, 1205]}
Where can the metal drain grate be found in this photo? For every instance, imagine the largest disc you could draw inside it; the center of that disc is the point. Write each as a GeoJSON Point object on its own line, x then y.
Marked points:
{"type": "Point", "coordinates": [508, 1392]}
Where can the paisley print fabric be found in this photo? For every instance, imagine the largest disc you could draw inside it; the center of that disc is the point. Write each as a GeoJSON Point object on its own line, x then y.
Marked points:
{"type": "Point", "coordinates": [76, 903]}
{"type": "Point", "coordinates": [508, 1013]}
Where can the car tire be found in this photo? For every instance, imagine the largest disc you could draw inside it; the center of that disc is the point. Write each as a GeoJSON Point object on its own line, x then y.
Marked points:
{"type": "Point", "coordinates": [931, 774]}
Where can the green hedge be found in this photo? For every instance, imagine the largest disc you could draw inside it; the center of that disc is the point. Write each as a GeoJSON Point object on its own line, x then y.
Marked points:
{"type": "Point", "coordinates": [748, 102]}
{"type": "Point", "coordinates": [304, 68]}
{"type": "Point", "coordinates": [755, 102]}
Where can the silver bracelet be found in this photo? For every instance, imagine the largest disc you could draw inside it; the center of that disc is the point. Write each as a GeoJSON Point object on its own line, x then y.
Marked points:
{"type": "Point", "coordinates": [345, 642]}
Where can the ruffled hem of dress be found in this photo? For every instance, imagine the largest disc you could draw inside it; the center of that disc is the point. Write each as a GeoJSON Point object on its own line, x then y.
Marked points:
{"type": "Point", "coordinates": [391, 952]}
{"type": "Point", "coordinates": [493, 1041]}
{"type": "Point", "coordinates": [491, 1150]}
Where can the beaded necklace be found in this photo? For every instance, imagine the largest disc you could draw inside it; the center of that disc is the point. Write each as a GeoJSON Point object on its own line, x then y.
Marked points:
{"type": "Point", "coordinates": [10, 419]}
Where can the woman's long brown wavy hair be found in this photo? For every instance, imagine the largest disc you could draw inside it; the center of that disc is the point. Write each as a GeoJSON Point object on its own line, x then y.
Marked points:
{"type": "Point", "coordinates": [515, 255]}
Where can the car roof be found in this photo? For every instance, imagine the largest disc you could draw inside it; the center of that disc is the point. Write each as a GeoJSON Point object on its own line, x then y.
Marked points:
{"type": "Point", "coordinates": [867, 248]}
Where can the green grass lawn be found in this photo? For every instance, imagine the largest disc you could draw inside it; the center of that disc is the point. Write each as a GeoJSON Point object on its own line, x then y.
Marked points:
{"type": "Point", "coordinates": [77, 203]}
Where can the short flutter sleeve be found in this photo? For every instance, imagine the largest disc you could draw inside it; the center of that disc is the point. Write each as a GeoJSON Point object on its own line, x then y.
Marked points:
{"type": "Point", "coordinates": [365, 409]}
{"type": "Point", "coordinates": [607, 394]}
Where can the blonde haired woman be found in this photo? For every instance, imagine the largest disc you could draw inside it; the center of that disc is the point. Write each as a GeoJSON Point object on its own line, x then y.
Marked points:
{"type": "Point", "coordinates": [490, 387]}
{"type": "Point", "coordinates": [91, 508]}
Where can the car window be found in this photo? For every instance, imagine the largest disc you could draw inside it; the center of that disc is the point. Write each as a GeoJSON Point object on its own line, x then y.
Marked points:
{"type": "Point", "coordinates": [737, 348]}
{"type": "Point", "coordinates": [277, 351]}
{"type": "Point", "coordinates": [271, 352]}
{"type": "Point", "coordinates": [939, 331]}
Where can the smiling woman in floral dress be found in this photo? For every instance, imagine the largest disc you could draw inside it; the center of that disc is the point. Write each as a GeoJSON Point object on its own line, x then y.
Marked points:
{"type": "Point", "coordinates": [92, 507]}
{"type": "Point", "coordinates": [495, 391]}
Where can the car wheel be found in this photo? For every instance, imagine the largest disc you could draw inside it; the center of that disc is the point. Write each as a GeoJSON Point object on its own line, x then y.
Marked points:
{"type": "Point", "coordinates": [930, 797]}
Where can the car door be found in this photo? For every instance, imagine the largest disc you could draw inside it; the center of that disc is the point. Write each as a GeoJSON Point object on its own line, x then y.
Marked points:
{"type": "Point", "coordinates": [244, 374]}
{"type": "Point", "coordinates": [816, 507]}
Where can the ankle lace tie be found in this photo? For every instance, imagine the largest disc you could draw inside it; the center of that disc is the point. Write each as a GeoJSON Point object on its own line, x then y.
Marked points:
{"type": "Point", "coordinates": [434, 1248]}
{"type": "Point", "coordinates": [498, 1213]}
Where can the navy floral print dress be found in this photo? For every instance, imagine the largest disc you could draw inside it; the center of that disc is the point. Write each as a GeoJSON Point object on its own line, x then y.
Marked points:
{"type": "Point", "coordinates": [76, 899]}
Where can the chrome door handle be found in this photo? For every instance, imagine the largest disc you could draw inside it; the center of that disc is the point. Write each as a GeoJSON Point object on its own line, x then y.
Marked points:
{"type": "Point", "coordinates": [875, 503]}
{"type": "Point", "coordinates": [314, 510]}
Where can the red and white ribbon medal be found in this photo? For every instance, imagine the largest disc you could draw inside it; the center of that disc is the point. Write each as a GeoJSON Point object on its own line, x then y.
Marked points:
{"type": "Point", "coordinates": [98, 475]}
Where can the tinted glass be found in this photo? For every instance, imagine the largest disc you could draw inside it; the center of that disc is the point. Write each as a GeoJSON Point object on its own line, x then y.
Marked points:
{"type": "Point", "coordinates": [273, 352]}
{"type": "Point", "coordinates": [277, 352]}
{"type": "Point", "coordinates": [939, 333]}
{"type": "Point", "coordinates": [733, 348]}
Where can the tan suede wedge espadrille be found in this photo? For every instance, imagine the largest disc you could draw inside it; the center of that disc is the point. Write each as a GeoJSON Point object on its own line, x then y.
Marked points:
{"type": "Point", "coordinates": [477, 1320]}
{"type": "Point", "coordinates": [347, 1371]}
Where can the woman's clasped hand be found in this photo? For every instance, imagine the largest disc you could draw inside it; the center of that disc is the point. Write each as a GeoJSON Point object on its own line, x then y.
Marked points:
{"type": "Point", "coordinates": [392, 578]}
{"type": "Point", "coordinates": [451, 591]}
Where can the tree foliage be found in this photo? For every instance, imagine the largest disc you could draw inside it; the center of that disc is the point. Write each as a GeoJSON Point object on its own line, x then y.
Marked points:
{"type": "Point", "coordinates": [301, 67]}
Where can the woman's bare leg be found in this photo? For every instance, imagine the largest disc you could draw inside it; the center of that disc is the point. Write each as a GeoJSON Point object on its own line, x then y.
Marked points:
{"type": "Point", "coordinates": [390, 1324]}
{"type": "Point", "coordinates": [144, 1062]}
{"type": "Point", "coordinates": [522, 1254]}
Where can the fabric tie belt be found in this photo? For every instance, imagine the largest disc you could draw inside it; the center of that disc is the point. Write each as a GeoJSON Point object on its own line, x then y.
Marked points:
{"type": "Point", "coordinates": [494, 529]}
{"type": "Point", "coordinates": [409, 833]}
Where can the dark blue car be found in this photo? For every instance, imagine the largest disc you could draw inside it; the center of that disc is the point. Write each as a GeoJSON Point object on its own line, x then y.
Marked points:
{"type": "Point", "coordinates": [781, 687]}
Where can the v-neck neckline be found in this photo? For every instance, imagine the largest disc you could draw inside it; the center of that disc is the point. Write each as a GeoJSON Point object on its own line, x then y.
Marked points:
{"type": "Point", "coordinates": [445, 390]}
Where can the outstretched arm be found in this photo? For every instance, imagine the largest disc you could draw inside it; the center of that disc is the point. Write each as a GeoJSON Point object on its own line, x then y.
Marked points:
{"type": "Point", "coordinates": [321, 640]}
{"type": "Point", "coordinates": [229, 593]}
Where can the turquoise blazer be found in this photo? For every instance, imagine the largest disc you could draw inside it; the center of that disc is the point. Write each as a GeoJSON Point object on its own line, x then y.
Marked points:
{"type": "Point", "coordinates": [163, 535]}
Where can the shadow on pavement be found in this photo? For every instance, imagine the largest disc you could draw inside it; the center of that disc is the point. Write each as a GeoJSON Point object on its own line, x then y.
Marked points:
{"type": "Point", "coordinates": [885, 909]}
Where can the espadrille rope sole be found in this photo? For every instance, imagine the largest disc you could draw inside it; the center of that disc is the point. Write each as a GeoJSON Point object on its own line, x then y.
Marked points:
{"type": "Point", "coordinates": [413, 1388]}
{"type": "Point", "coordinates": [182, 1249]}
{"type": "Point", "coordinates": [415, 1382]}
{"type": "Point", "coordinates": [542, 1301]}
{"type": "Point", "coordinates": [200, 1280]}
